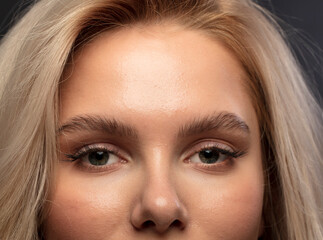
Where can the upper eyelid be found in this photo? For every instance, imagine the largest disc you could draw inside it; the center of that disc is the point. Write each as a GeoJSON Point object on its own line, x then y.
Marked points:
{"type": "Point", "coordinates": [87, 149]}
{"type": "Point", "coordinates": [83, 153]}
{"type": "Point", "coordinates": [207, 144]}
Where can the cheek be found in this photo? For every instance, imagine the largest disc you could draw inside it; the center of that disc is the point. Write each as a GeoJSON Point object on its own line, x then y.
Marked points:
{"type": "Point", "coordinates": [243, 205]}
{"type": "Point", "coordinates": [229, 208]}
{"type": "Point", "coordinates": [85, 209]}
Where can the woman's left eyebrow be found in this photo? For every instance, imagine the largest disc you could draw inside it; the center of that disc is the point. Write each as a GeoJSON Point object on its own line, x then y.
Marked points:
{"type": "Point", "coordinates": [214, 122]}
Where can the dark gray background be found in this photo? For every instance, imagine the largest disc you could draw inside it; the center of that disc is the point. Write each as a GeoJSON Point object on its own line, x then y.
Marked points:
{"type": "Point", "coordinates": [301, 19]}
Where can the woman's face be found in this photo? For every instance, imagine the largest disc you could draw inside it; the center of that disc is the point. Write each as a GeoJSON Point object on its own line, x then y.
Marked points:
{"type": "Point", "coordinates": [158, 140]}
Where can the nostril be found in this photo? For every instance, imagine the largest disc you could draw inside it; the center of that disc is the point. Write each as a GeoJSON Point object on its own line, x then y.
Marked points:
{"type": "Point", "coordinates": [159, 213]}
{"type": "Point", "coordinates": [177, 224]}
{"type": "Point", "coordinates": [148, 224]}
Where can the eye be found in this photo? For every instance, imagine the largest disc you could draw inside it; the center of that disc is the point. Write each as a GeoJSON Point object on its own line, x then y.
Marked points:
{"type": "Point", "coordinates": [99, 158]}
{"type": "Point", "coordinates": [210, 156]}
{"type": "Point", "coordinates": [213, 155]}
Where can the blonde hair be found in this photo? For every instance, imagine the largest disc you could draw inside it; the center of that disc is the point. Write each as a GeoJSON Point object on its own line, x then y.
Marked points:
{"type": "Point", "coordinates": [36, 50]}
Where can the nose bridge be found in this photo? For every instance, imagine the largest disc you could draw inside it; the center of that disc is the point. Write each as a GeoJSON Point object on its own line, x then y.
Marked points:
{"type": "Point", "coordinates": [157, 166]}
{"type": "Point", "coordinates": [160, 193]}
{"type": "Point", "coordinates": [159, 206]}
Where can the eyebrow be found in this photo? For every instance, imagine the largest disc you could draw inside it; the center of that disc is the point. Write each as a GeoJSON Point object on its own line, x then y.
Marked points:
{"type": "Point", "coordinates": [213, 122]}
{"type": "Point", "coordinates": [111, 126]}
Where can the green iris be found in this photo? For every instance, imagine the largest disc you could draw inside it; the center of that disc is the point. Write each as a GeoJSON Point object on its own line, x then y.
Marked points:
{"type": "Point", "coordinates": [98, 158]}
{"type": "Point", "coordinates": [209, 156]}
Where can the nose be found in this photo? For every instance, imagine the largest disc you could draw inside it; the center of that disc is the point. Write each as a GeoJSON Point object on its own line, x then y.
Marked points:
{"type": "Point", "coordinates": [158, 207]}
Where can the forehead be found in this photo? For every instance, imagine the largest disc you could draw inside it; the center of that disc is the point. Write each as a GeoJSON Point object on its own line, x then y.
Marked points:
{"type": "Point", "coordinates": [154, 71]}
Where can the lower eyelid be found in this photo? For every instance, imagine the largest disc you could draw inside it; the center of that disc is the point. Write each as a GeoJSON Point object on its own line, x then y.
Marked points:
{"type": "Point", "coordinates": [97, 169]}
{"type": "Point", "coordinates": [220, 167]}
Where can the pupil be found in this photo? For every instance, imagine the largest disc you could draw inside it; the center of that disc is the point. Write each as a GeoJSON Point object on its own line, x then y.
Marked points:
{"type": "Point", "coordinates": [209, 156]}
{"type": "Point", "coordinates": [98, 158]}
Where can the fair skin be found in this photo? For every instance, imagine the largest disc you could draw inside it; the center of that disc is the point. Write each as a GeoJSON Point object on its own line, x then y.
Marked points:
{"type": "Point", "coordinates": [173, 97]}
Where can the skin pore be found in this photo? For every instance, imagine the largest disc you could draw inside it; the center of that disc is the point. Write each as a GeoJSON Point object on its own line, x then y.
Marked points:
{"type": "Point", "coordinates": [158, 140]}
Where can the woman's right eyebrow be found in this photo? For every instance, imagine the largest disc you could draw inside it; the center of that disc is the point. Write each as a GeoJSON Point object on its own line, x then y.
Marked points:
{"type": "Point", "coordinates": [108, 126]}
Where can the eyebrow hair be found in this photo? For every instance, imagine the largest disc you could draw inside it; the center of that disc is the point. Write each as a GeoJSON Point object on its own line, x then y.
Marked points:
{"type": "Point", "coordinates": [222, 120]}
{"type": "Point", "coordinates": [98, 123]}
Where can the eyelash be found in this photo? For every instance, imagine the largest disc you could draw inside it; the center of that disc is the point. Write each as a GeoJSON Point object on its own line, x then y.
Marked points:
{"type": "Point", "coordinates": [77, 157]}
{"type": "Point", "coordinates": [220, 148]}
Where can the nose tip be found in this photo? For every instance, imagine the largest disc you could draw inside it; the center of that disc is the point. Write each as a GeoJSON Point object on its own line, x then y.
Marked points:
{"type": "Point", "coordinates": [159, 211]}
